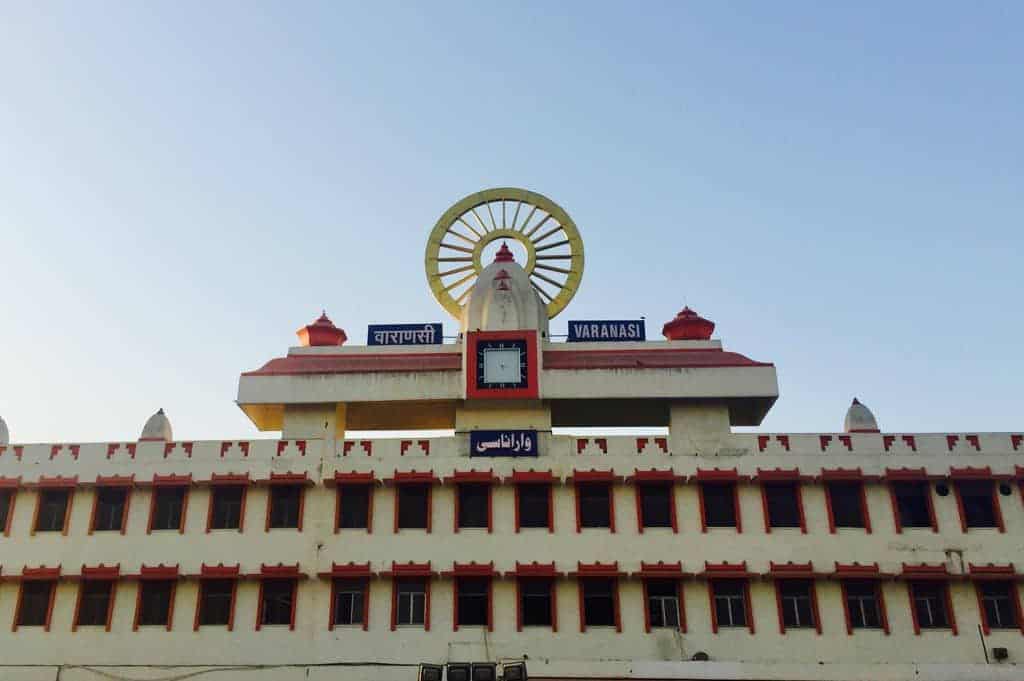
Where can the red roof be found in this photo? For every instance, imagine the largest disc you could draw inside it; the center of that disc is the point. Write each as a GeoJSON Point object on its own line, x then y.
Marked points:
{"type": "Point", "coordinates": [359, 364]}
{"type": "Point", "coordinates": [646, 359]}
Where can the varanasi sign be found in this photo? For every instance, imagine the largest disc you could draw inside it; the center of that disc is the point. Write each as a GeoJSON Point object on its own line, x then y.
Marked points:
{"type": "Point", "coordinates": [607, 330]}
{"type": "Point", "coordinates": [404, 334]}
{"type": "Point", "coordinates": [503, 443]}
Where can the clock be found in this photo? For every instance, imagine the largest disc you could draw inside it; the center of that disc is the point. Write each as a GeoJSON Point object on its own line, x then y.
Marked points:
{"type": "Point", "coordinates": [501, 364]}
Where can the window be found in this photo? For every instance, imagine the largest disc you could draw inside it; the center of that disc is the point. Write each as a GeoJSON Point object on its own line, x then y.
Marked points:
{"type": "Point", "coordinates": [410, 601]}
{"type": "Point", "coordinates": [413, 507]}
{"type": "Point", "coordinates": [109, 509]}
{"type": "Point", "coordinates": [782, 505]}
{"type": "Point", "coordinates": [594, 500]}
{"type": "Point", "coordinates": [656, 507]}
{"type": "Point", "coordinates": [473, 601]}
{"type": "Point", "coordinates": [36, 599]}
{"type": "Point", "coordinates": [168, 508]}
{"type": "Point", "coordinates": [863, 604]}
{"type": "Point", "coordinates": [354, 507]}
{"type": "Point", "coordinates": [662, 603]}
{"type": "Point", "coordinates": [53, 510]}
{"type": "Point", "coordinates": [277, 602]}
{"type": "Point", "coordinates": [156, 597]}
{"type": "Point", "coordinates": [226, 505]}
{"type": "Point", "coordinates": [913, 504]}
{"type": "Point", "coordinates": [599, 607]}
{"type": "Point", "coordinates": [533, 505]}
{"type": "Point", "coordinates": [930, 600]}
{"type": "Point", "coordinates": [285, 511]}
{"type": "Point", "coordinates": [730, 602]}
{"type": "Point", "coordinates": [999, 605]}
{"type": "Point", "coordinates": [796, 600]}
{"type": "Point", "coordinates": [846, 501]}
{"type": "Point", "coordinates": [719, 505]}
{"type": "Point", "coordinates": [6, 506]}
{"type": "Point", "coordinates": [978, 503]}
{"type": "Point", "coordinates": [216, 602]}
{"type": "Point", "coordinates": [536, 602]}
{"type": "Point", "coordinates": [95, 598]}
{"type": "Point", "coordinates": [474, 506]}
{"type": "Point", "coordinates": [349, 602]}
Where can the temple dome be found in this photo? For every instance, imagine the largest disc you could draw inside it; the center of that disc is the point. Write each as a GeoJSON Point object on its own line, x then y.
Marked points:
{"type": "Point", "coordinates": [859, 419]}
{"type": "Point", "coordinates": [5, 435]}
{"type": "Point", "coordinates": [503, 299]}
{"type": "Point", "coordinates": [158, 427]}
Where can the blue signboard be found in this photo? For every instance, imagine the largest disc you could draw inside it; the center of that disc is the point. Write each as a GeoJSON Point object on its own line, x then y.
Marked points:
{"type": "Point", "coordinates": [503, 443]}
{"type": "Point", "coordinates": [586, 331]}
{"type": "Point", "coordinates": [404, 334]}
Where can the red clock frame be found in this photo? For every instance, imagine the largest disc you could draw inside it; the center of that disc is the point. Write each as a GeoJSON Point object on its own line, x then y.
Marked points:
{"type": "Point", "coordinates": [532, 388]}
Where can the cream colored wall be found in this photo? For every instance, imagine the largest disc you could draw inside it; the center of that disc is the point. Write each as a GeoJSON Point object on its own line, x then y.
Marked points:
{"type": "Point", "coordinates": [735, 654]}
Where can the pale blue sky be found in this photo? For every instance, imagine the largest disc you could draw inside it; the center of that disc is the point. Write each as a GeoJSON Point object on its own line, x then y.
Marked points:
{"type": "Point", "coordinates": [837, 185]}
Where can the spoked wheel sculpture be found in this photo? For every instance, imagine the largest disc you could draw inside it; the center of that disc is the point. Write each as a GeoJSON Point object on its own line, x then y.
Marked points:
{"type": "Point", "coordinates": [554, 249]}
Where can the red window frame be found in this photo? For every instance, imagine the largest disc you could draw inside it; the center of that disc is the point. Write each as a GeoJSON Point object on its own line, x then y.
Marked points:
{"type": "Point", "coordinates": [879, 598]}
{"type": "Point", "coordinates": [157, 574]}
{"type": "Point", "coordinates": [411, 571]}
{"type": "Point", "coordinates": [364, 578]}
{"type": "Point", "coordinates": [46, 575]}
{"type": "Point", "coordinates": [160, 481]}
{"type": "Point", "coordinates": [678, 582]}
{"type": "Point", "coordinates": [812, 591]}
{"type": "Point", "coordinates": [485, 479]}
{"type": "Point", "coordinates": [67, 484]}
{"type": "Point", "coordinates": [595, 478]}
{"type": "Point", "coordinates": [986, 628]}
{"type": "Point", "coordinates": [217, 573]}
{"type": "Point", "coordinates": [828, 481]}
{"type": "Point", "coordinates": [228, 481]}
{"type": "Point", "coordinates": [799, 504]}
{"type": "Point", "coordinates": [351, 480]}
{"type": "Point", "coordinates": [533, 478]}
{"type": "Point", "coordinates": [639, 486]}
{"type": "Point", "coordinates": [976, 475]}
{"type": "Point", "coordinates": [746, 601]}
{"type": "Point", "coordinates": [532, 388]}
{"type": "Point", "coordinates": [581, 580]}
{"type": "Point", "coordinates": [270, 504]}
{"type": "Point", "coordinates": [893, 476]}
{"type": "Point", "coordinates": [553, 587]}
{"type": "Point", "coordinates": [947, 597]}
{"type": "Point", "coordinates": [455, 600]}
{"type": "Point", "coordinates": [114, 484]}
{"type": "Point", "coordinates": [12, 485]}
{"type": "Point", "coordinates": [735, 501]}
{"type": "Point", "coordinates": [414, 478]}
{"type": "Point", "coordinates": [110, 603]}
{"type": "Point", "coordinates": [259, 599]}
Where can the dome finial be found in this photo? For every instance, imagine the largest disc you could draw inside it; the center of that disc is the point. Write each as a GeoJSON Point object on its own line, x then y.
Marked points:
{"type": "Point", "coordinates": [859, 419]}
{"type": "Point", "coordinates": [321, 332]}
{"type": "Point", "coordinates": [504, 254]}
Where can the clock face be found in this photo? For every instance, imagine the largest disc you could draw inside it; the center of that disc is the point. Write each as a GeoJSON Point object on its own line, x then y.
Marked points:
{"type": "Point", "coordinates": [501, 364]}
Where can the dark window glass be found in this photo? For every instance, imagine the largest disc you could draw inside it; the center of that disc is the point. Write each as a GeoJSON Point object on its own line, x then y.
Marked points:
{"type": "Point", "coordinates": [912, 503]}
{"type": "Point", "coordinates": [473, 505]}
{"type": "Point", "coordinates": [795, 595]}
{"type": "Point", "coordinates": [595, 505]}
{"type": "Point", "coordinates": [94, 603]}
{"type": "Point", "coordinates": [354, 507]}
{"type": "Point", "coordinates": [730, 602]}
{"type": "Point", "coordinates": [155, 602]}
{"type": "Point", "coordinates": [930, 604]}
{"type": "Point", "coordinates": [411, 601]}
{"type": "Point", "coordinates": [53, 505]}
{"type": "Point", "coordinates": [979, 503]}
{"type": "Point", "coordinates": [110, 502]}
{"type": "Point", "coordinates": [598, 602]}
{"type": "Point", "coordinates": [348, 600]}
{"type": "Point", "coordinates": [6, 495]}
{"type": "Point", "coordinates": [535, 595]}
{"type": "Point", "coordinates": [997, 599]}
{"type": "Point", "coordinates": [412, 506]}
{"type": "Point", "coordinates": [533, 505]}
{"type": "Point", "coordinates": [215, 601]}
{"type": "Point", "coordinates": [473, 600]}
{"type": "Point", "coordinates": [656, 505]}
{"type": "Point", "coordinates": [35, 603]}
{"type": "Point", "coordinates": [285, 506]}
{"type": "Point", "coordinates": [862, 604]}
{"type": "Point", "coordinates": [846, 499]}
{"type": "Point", "coordinates": [663, 603]}
{"type": "Point", "coordinates": [278, 596]}
{"type": "Point", "coordinates": [783, 505]}
{"type": "Point", "coordinates": [227, 507]}
{"type": "Point", "coordinates": [167, 508]}
{"type": "Point", "coordinates": [719, 504]}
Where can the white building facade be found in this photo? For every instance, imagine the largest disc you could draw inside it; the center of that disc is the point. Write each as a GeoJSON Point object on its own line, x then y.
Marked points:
{"type": "Point", "coordinates": [691, 553]}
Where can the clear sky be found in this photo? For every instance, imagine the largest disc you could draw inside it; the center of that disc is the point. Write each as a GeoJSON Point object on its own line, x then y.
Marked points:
{"type": "Point", "coordinates": [839, 186]}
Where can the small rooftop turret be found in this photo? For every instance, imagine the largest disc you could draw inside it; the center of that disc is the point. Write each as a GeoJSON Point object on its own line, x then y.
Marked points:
{"type": "Point", "coordinates": [859, 419]}
{"type": "Point", "coordinates": [5, 435]}
{"type": "Point", "coordinates": [157, 429]}
{"type": "Point", "coordinates": [321, 332]}
{"type": "Point", "coordinates": [688, 325]}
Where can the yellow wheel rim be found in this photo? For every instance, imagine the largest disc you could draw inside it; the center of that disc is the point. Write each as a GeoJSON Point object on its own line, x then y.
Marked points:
{"type": "Point", "coordinates": [554, 249]}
